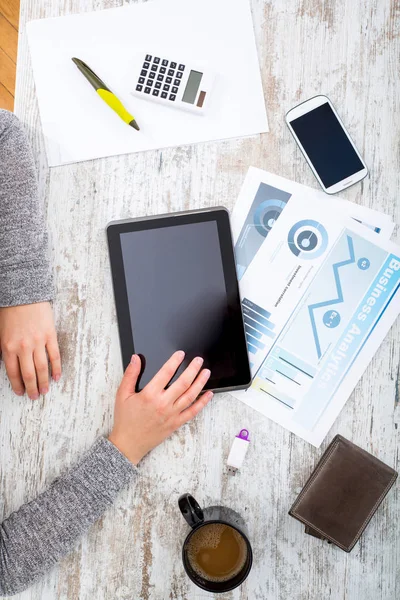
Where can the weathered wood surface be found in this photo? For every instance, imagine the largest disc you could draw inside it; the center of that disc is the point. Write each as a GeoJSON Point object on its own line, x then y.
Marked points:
{"type": "Point", "coordinates": [349, 50]}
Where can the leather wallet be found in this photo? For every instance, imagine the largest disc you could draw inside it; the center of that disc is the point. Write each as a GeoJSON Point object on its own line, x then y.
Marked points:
{"type": "Point", "coordinates": [343, 493]}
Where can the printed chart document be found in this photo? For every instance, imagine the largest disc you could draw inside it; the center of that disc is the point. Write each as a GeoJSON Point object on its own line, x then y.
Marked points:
{"type": "Point", "coordinates": [319, 295]}
{"type": "Point", "coordinates": [264, 196]}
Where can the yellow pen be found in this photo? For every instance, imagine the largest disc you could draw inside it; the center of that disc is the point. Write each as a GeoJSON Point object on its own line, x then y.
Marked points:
{"type": "Point", "coordinates": [105, 93]}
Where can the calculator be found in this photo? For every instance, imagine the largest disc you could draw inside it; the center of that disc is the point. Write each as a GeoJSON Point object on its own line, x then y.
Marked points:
{"type": "Point", "coordinates": [173, 83]}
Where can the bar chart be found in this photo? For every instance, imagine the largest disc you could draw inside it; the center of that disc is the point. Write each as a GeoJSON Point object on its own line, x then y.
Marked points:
{"type": "Point", "coordinates": [259, 328]}
{"type": "Point", "coordinates": [289, 366]}
{"type": "Point", "coordinates": [284, 377]}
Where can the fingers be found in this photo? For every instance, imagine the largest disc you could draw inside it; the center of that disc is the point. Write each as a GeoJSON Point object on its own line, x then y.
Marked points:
{"type": "Point", "coordinates": [29, 374]}
{"type": "Point", "coordinates": [14, 373]}
{"type": "Point", "coordinates": [129, 380]}
{"type": "Point", "coordinates": [185, 380]}
{"type": "Point", "coordinates": [165, 374]}
{"type": "Point", "coordinates": [42, 369]}
{"type": "Point", "coordinates": [191, 394]}
{"type": "Point", "coordinates": [189, 413]}
{"type": "Point", "coordinates": [54, 356]}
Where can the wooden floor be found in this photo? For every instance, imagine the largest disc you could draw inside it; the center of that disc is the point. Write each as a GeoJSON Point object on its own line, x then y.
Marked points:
{"type": "Point", "coordinates": [9, 20]}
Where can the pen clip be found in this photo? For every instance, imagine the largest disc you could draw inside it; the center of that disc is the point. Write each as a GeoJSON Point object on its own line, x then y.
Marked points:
{"type": "Point", "coordinates": [90, 75]}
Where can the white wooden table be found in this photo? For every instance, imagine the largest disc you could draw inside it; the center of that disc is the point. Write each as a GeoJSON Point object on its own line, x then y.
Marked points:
{"type": "Point", "coordinates": [350, 51]}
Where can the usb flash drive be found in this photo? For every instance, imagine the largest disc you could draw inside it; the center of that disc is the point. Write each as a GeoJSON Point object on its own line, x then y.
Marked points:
{"type": "Point", "coordinates": [238, 451]}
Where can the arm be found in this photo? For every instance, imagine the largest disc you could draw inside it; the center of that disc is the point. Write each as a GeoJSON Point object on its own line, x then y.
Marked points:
{"type": "Point", "coordinates": [25, 275]}
{"type": "Point", "coordinates": [27, 333]}
{"type": "Point", "coordinates": [35, 537]}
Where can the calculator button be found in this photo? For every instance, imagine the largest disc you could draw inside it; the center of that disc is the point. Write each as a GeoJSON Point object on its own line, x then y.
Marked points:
{"type": "Point", "coordinates": [143, 72]}
{"type": "Point", "coordinates": [174, 90]}
{"type": "Point", "coordinates": [179, 75]}
{"type": "Point", "coordinates": [169, 80]}
{"type": "Point", "coordinates": [156, 60]}
{"type": "Point", "coordinates": [146, 65]}
{"type": "Point", "coordinates": [164, 63]}
{"type": "Point", "coordinates": [164, 95]}
{"type": "Point", "coordinates": [155, 92]}
{"type": "Point", "coordinates": [141, 79]}
{"type": "Point", "coordinates": [148, 57]}
{"type": "Point", "coordinates": [177, 81]}
{"type": "Point", "coordinates": [181, 67]}
{"type": "Point", "coordinates": [154, 67]}
{"type": "Point", "coordinates": [150, 82]}
{"type": "Point", "coordinates": [152, 75]}
{"type": "Point", "coordinates": [173, 65]}
{"type": "Point", "coordinates": [147, 90]}
{"type": "Point", "coordinates": [172, 97]}
{"type": "Point", "coordinates": [160, 77]}
{"type": "Point", "coordinates": [166, 88]}
{"type": "Point", "coordinates": [139, 88]}
{"type": "Point", "coordinates": [158, 85]}
{"type": "Point", "coordinates": [162, 70]}
{"type": "Point", "coordinates": [171, 72]}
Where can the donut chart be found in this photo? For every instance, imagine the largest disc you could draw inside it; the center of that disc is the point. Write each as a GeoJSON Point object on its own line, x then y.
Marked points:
{"type": "Point", "coordinates": [266, 215]}
{"type": "Point", "coordinates": [307, 239]}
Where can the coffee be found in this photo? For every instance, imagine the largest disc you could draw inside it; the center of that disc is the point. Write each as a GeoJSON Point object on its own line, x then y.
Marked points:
{"type": "Point", "coordinates": [217, 552]}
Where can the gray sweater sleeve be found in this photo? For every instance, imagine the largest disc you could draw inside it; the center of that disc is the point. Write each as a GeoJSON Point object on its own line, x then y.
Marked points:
{"type": "Point", "coordinates": [42, 531]}
{"type": "Point", "coordinates": [25, 276]}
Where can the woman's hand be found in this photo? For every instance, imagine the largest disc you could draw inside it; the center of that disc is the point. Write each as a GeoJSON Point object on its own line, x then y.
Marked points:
{"type": "Point", "coordinates": [143, 420]}
{"type": "Point", "coordinates": [26, 333]}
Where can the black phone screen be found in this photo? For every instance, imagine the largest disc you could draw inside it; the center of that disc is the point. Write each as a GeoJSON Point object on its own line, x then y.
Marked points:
{"type": "Point", "coordinates": [327, 145]}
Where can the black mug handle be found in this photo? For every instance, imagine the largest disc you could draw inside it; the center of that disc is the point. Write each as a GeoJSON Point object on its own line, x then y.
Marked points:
{"type": "Point", "coordinates": [190, 510]}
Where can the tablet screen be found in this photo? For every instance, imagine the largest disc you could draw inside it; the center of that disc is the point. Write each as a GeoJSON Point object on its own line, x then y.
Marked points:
{"type": "Point", "coordinates": [175, 282]}
{"type": "Point", "coordinates": [178, 298]}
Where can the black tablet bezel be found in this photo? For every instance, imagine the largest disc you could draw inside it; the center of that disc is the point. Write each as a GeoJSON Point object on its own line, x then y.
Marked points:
{"type": "Point", "coordinates": [220, 215]}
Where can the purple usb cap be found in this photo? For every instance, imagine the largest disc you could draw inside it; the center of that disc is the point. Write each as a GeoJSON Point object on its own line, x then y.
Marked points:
{"type": "Point", "coordinates": [244, 435]}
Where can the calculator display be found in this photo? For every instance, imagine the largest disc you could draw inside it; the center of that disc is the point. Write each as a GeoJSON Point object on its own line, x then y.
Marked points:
{"type": "Point", "coordinates": [192, 86]}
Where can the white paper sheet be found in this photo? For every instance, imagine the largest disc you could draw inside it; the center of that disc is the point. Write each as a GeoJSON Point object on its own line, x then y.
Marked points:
{"type": "Point", "coordinates": [316, 313]}
{"type": "Point", "coordinates": [264, 196]}
{"type": "Point", "coordinates": [78, 126]}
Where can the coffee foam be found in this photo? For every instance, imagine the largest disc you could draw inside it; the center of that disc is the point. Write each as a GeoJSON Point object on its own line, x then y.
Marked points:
{"type": "Point", "coordinates": [209, 536]}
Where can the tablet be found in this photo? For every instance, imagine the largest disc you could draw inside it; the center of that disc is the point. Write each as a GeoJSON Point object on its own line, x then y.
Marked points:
{"type": "Point", "coordinates": [176, 288]}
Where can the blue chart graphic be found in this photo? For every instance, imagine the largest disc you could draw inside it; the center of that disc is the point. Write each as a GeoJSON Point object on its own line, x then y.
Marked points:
{"type": "Point", "coordinates": [267, 205]}
{"type": "Point", "coordinates": [325, 333]}
{"type": "Point", "coordinates": [331, 319]}
{"type": "Point", "coordinates": [307, 239]}
{"type": "Point", "coordinates": [292, 366]}
{"type": "Point", "coordinates": [266, 215]}
{"type": "Point", "coordinates": [282, 370]}
{"type": "Point", "coordinates": [347, 346]}
{"type": "Point", "coordinates": [363, 263]}
{"type": "Point", "coordinates": [326, 308]}
{"type": "Point", "coordinates": [339, 297]}
{"type": "Point", "coordinates": [257, 325]}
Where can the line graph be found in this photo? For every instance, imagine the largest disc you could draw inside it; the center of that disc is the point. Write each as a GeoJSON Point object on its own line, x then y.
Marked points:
{"type": "Point", "coordinates": [338, 300]}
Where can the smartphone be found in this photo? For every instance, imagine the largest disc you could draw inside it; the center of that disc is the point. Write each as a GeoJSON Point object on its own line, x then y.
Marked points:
{"type": "Point", "coordinates": [326, 145]}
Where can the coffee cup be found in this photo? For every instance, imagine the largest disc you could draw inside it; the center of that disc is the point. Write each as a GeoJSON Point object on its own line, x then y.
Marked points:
{"type": "Point", "coordinates": [216, 554]}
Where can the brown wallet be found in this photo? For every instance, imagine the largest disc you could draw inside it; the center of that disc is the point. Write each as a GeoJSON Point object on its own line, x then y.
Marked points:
{"type": "Point", "coordinates": [343, 493]}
